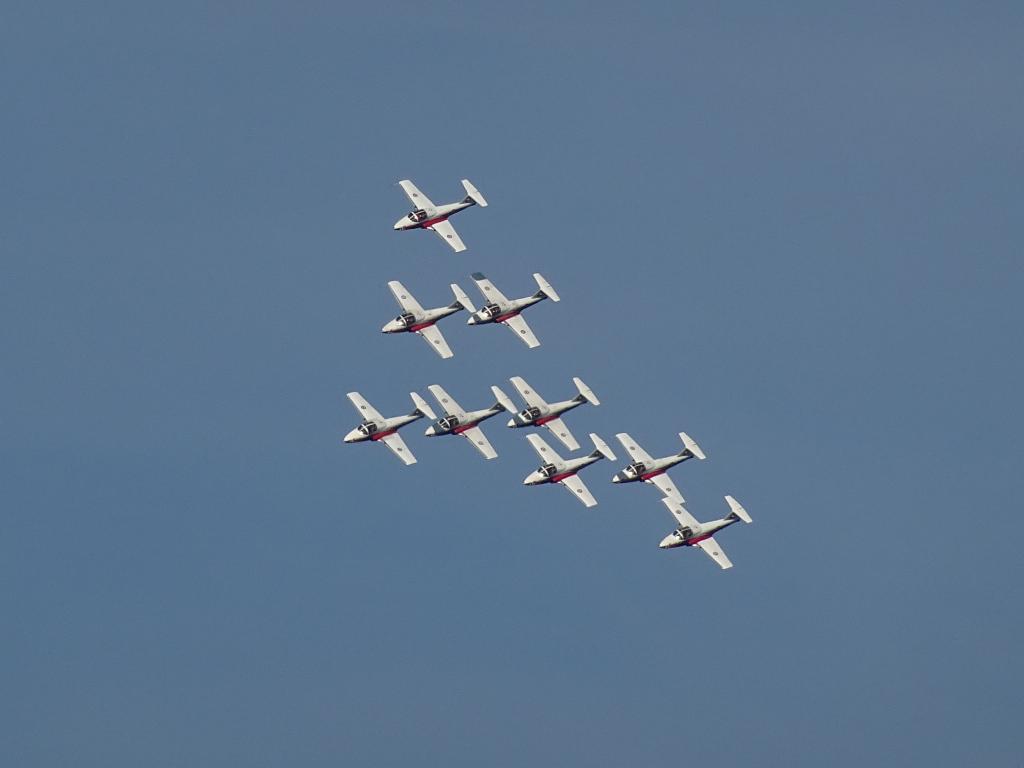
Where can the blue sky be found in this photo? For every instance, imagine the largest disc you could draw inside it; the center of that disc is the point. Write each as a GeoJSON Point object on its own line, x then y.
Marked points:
{"type": "Point", "coordinates": [791, 231]}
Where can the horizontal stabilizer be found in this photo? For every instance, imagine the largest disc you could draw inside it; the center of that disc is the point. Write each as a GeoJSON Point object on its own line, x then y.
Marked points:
{"type": "Point", "coordinates": [504, 401]}
{"type": "Point", "coordinates": [545, 287]}
{"type": "Point", "coordinates": [602, 447]}
{"type": "Point", "coordinates": [691, 446]}
{"type": "Point", "coordinates": [462, 299]}
{"type": "Point", "coordinates": [585, 391]}
{"type": "Point", "coordinates": [474, 194]}
{"type": "Point", "coordinates": [737, 509]}
{"type": "Point", "coordinates": [421, 406]}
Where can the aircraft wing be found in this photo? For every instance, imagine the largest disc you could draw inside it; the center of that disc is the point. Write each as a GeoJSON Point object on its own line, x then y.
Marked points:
{"type": "Point", "coordinates": [559, 430]}
{"type": "Point", "coordinates": [634, 450]}
{"type": "Point", "coordinates": [398, 447]}
{"type": "Point", "coordinates": [435, 339]}
{"type": "Point", "coordinates": [522, 330]}
{"type": "Point", "coordinates": [447, 233]}
{"type": "Point", "coordinates": [364, 408]}
{"type": "Point", "coordinates": [476, 436]}
{"type": "Point", "coordinates": [447, 401]}
{"type": "Point", "coordinates": [579, 490]}
{"type": "Point", "coordinates": [667, 487]}
{"type": "Point", "coordinates": [545, 451]}
{"type": "Point", "coordinates": [404, 298]}
{"type": "Point", "coordinates": [524, 390]}
{"type": "Point", "coordinates": [488, 289]}
{"type": "Point", "coordinates": [710, 546]}
{"type": "Point", "coordinates": [680, 513]}
{"type": "Point", "coordinates": [417, 198]}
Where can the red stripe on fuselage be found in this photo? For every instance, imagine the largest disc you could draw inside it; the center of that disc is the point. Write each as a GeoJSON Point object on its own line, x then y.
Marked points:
{"type": "Point", "coordinates": [379, 435]}
{"type": "Point", "coordinates": [649, 475]}
{"type": "Point", "coordinates": [544, 420]}
{"type": "Point", "coordinates": [559, 478]}
{"type": "Point", "coordinates": [691, 542]}
{"type": "Point", "coordinates": [421, 326]}
{"type": "Point", "coordinates": [462, 428]}
{"type": "Point", "coordinates": [509, 316]}
{"type": "Point", "coordinates": [432, 222]}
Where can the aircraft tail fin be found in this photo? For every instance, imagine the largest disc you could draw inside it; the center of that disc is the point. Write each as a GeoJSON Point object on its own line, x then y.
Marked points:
{"type": "Point", "coordinates": [586, 393]}
{"type": "Point", "coordinates": [736, 510]}
{"type": "Point", "coordinates": [461, 299]}
{"type": "Point", "coordinates": [504, 400]}
{"type": "Point", "coordinates": [691, 447]}
{"type": "Point", "coordinates": [545, 287]}
{"type": "Point", "coordinates": [422, 409]}
{"type": "Point", "coordinates": [601, 448]}
{"type": "Point", "coordinates": [473, 194]}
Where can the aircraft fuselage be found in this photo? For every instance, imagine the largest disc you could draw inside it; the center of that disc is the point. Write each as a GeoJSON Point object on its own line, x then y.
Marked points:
{"type": "Point", "coordinates": [500, 312]}
{"type": "Point", "coordinates": [536, 416]}
{"type": "Point", "coordinates": [375, 430]}
{"type": "Point", "coordinates": [450, 424]}
{"type": "Point", "coordinates": [422, 218]}
{"type": "Point", "coordinates": [687, 537]}
{"type": "Point", "coordinates": [413, 322]}
{"type": "Point", "coordinates": [554, 473]}
{"type": "Point", "coordinates": [642, 471]}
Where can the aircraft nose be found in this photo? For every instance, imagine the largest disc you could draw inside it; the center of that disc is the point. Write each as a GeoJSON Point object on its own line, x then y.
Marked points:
{"type": "Point", "coordinates": [430, 432]}
{"type": "Point", "coordinates": [617, 478]}
{"type": "Point", "coordinates": [511, 423]}
{"type": "Point", "coordinates": [671, 541]}
{"type": "Point", "coordinates": [400, 224]}
{"type": "Point", "coordinates": [389, 327]}
{"type": "Point", "coordinates": [471, 320]}
{"type": "Point", "coordinates": [352, 436]}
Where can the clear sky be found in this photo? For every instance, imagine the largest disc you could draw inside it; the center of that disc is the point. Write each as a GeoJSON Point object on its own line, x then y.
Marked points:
{"type": "Point", "coordinates": [792, 230]}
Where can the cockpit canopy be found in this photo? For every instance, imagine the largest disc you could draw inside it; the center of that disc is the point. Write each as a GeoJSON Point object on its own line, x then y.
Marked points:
{"type": "Point", "coordinates": [367, 428]}
{"type": "Point", "coordinates": [636, 469]}
{"type": "Point", "coordinates": [448, 423]}
{"type": "Point", "coordinates": [418, 215]}
{"type": "Point", "coordinates": [529, 414]}
{"type": "Point", "coordinates": [491, 310]}
{"type": "Point", "coordinates": [548, 470]}
{"type": "Point", "coordinates": [406, 319]}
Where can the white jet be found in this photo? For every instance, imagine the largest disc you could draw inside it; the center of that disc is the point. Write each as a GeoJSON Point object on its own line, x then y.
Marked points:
{"type": "Point", "coordinates": [691, 533]}
{"type": "Point", "coordinates": [499, 309]}
{"type": "Point", "coordinates": [540, 413]}
{"type": "Point", "coordinates": [376, 428]}
{"type": "Point", "coordinates": [416, 319]}
{"type": "Point", "coordinates": [426, 215]}
{"type": "Point", "coordinates": [650, 470]}
{"type": "Point", "coordinates": [558, 470]}
{"type": "Point", "coordinates": [457, 421]}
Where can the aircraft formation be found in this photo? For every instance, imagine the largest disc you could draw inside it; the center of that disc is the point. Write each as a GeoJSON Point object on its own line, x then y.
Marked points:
{"type": "Point", "coordinates": [451, 418]}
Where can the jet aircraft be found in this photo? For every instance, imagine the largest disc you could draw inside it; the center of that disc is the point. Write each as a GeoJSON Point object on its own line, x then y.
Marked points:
{"type": "Point", "coordinates": [650, 470]}
{"type": "Point", "coordinates": [416, 319]}
{"type": "Point", "coordinates": [426, 215]}
{"type": "Point", "coordinates": [376, 428]}
{"type": "Point", "coordinates": [500, 309]}
{"type": "Point", "coordinates": [691, 533]}
{"type": "Point", "coordinates": [555, 469]}
{"type": "Point", "coordinates": [540, 413]}
{"type": "Point", "coordinates": [458, 421]}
